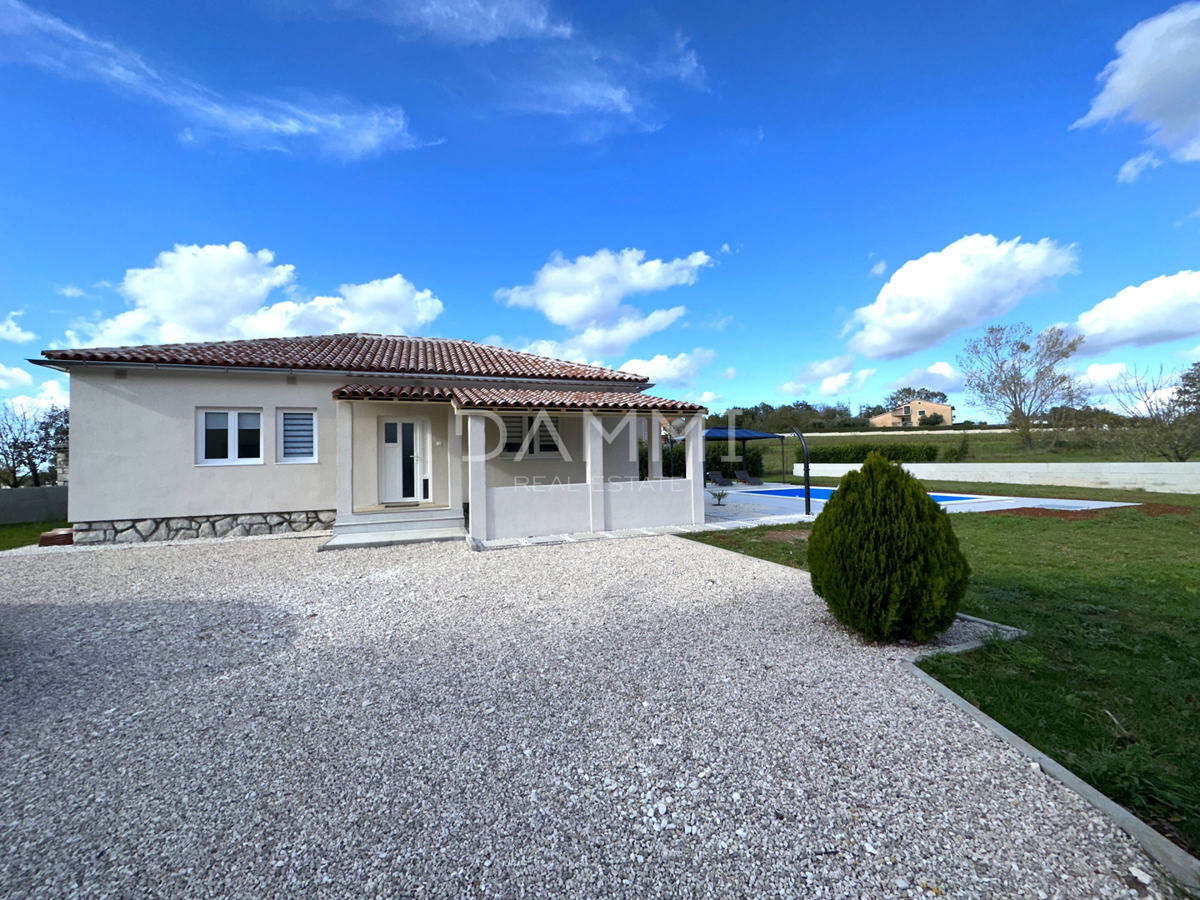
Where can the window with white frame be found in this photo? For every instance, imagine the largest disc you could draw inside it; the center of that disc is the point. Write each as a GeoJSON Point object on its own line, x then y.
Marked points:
{"type": "Point", "coordinates": [297, 431]}
{"type": "Point", "coordinates": [227, 437]}
{"type": "Point", "coordinates": [542, 444]}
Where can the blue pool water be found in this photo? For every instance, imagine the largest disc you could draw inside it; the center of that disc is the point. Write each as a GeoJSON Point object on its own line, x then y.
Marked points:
{"type": "Point", "coordinates": [824, 493]}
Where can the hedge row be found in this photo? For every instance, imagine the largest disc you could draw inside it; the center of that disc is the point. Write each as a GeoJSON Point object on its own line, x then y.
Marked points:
{"type": "Point", "coordinates": [675, 460]}
{"type": "Point", "coordinates": [857, 453]}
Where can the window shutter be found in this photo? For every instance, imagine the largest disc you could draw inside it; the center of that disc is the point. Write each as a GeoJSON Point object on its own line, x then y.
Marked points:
{"type": "Point", "coordinates": [546, 443]}
{"type": "Point", "coordinates": [514, 433]}
{"type": "Point", "coordinates": [297, 435]}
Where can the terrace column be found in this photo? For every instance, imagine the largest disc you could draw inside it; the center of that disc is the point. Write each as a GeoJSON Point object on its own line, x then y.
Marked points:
{"type": "Point", "coordinates": [454, 461]}
{"type": "Point", "coordinates": [477, 476]}
{"type": "Point", "coordinates": [654, 446]}
{"type": "Point", "coordinates": [345, 457]}
{"type": "Point", "coordinates": [695, 466]}
{"type": "Point", "coordinates": [593, 457]}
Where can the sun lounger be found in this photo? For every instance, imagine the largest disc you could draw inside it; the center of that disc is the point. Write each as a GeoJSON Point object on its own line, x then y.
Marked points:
{"type": "Point", "coordinates": [718, 478]}
{"type": "Point", "coordinates": [746, 478]}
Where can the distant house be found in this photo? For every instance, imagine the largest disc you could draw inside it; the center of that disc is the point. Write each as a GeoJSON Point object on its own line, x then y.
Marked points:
{"type": "Point", "coordinates": [383, 439]}
{"type": "Point", "coordinates": [910, 414]}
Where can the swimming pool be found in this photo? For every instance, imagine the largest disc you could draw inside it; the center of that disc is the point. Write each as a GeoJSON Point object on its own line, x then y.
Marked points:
{"type": "Point", "coordinates": [824, 493]}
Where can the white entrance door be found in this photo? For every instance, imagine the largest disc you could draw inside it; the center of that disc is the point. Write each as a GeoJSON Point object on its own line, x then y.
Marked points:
{"type": "Point", "coordinates": [403, 461]}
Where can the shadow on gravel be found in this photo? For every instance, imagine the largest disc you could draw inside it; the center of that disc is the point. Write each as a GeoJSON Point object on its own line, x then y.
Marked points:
{"type": "Point", "coordinates": [58, 659]}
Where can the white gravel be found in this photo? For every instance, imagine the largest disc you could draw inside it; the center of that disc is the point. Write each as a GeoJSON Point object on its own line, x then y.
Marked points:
{"type": "Point", "coordinates": [636, 718]}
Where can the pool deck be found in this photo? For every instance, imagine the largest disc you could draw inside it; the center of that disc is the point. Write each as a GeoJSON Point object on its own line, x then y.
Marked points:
{"type": "Point", "coordinates": [748, 506]}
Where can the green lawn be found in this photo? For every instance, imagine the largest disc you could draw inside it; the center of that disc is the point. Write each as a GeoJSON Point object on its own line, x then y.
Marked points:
{"type": "Point", "coordinates": [1108, 680]}
{"type": "Point", "coordinates": [26, 533]}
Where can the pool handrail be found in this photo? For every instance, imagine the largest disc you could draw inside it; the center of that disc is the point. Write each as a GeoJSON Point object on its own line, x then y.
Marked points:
{"type": "Point", "coordinates": [807, 493]}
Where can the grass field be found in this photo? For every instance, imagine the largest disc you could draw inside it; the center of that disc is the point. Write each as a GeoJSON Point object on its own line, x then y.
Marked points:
{"type": "Point", "coordinates": [25, 534]}
{"type": "Point", "coordinates": [1108, 680]}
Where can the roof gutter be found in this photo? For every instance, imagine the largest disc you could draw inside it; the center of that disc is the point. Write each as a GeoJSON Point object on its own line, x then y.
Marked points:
{"type": "Point", "coordinates": [65, 365]}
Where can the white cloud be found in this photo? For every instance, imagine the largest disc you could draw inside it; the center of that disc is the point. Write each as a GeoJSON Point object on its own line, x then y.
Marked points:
{"type": "Point", "coordinates": [589, 289]}
{"type": "Point", "coordinates": [725, 249]}
{"type": "Point", "coordinates": [879, 268]}
{"type": "Point", "coordinates": [794, 388]}
{"type": "Point", "coordinates": [11, 331]}
{"type": "Point", "coordinates": [844, 383]}
{"type": "Point", "coordinates": [587, 295]}
{"type": "Point", "coordinates": [599, 86]}
{"type": "Point", "coordinates": [1105, 373]}
{"type": "Point", "coordinates": [335, 128]}
{"type": "Point", "coordinates": [1161, 309]}
{"type": "Point", "coordinates": [1155, 81]}
{"type": "Point", "coordinates": [220, 291]}
{"type": "Point", "coordinates": [825, 368]}
{"type": "Point", "coordinates": [70, 290]}
{"type": "Point", "coordinates": [973, 279]}
{"type": "Point", "coordinates": [678, 371]}
{"type": "Point", "coordinates": [1133, 168]}
{"type": "Point", "coordinates": [941, 376]}
{"type": "Point", "coordinates": [53, 393]}
{"type": "Point", "coordinates": [12, 377]}
{"type": "Point", "coordinates": [464, 21]}
{"type": "Point", "coordinates": [730, 373]}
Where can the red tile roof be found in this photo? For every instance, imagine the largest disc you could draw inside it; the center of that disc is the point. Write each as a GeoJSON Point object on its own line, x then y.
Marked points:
{"type": "Point", "coordinates": [502, 398]}
{"type": "Point", "coordinates": [393, 392]}
{"type": "Point", "coordinates": [389, 354]}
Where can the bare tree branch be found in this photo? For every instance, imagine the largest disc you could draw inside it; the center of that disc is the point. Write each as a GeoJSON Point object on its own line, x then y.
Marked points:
{"type": "Point", "coordinates": [1011, 372]}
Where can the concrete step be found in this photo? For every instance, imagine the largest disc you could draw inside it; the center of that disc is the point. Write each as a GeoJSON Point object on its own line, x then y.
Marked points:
{"type": "Point", "coordinates": [408, 520]}
{"type": "Point", "coordinates": [392, 538]}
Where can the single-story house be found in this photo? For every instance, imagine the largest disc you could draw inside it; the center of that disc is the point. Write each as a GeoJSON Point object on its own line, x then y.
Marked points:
{"type": "Point", "coordinates": [382, 438]}
{"type": "Point", "coordinates": [911, 413]}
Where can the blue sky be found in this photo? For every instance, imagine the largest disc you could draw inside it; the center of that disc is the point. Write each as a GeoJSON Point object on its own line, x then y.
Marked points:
{"type": "Point", "coordinates": [748, 202]}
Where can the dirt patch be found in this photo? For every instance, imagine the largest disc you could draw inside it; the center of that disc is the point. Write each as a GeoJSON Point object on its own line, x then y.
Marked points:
{"type": "Point", "coordinates": [1037, 512]}
{"type": "Point", "coordinates": [786, 536]}
{"type": "Point", "coordinates": [1166, 509]}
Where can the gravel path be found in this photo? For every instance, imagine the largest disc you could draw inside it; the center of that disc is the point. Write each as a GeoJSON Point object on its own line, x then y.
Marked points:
{"type": "Point", "coordinates": [637, 718]}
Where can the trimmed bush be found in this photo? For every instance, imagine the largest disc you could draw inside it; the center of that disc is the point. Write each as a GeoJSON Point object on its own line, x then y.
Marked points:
{"type": "Point", "coordinates": [752, 463]}
{"type": "Point", "coordinates": [674, 460]}
{"type": "Point", "coordinates": [884, 556]}
{"type": "Point", "coordinates": [896, 451]}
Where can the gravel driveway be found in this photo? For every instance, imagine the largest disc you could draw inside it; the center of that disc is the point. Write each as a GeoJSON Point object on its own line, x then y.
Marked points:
{"type": "Point", "coordinates": [637, 718]}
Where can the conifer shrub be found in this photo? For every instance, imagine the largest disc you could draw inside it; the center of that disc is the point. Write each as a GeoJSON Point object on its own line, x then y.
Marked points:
{"type": "Point", "coordinates": [884, 556]}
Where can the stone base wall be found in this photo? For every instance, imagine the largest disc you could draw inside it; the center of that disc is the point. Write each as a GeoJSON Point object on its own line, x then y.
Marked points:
{"type": "Point", "coordinates": [127, 531]}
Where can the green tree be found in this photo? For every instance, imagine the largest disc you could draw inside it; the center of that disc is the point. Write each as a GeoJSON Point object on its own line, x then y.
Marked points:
{"type": "Point", "coordinates": [1021, 377]}
{"type": "Point", "coordinates": [884, 556]}
{"type": "Point", "coordinates": [909, 394]}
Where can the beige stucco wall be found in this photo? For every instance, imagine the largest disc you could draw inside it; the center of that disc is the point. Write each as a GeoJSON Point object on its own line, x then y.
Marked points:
{"type": "Point", "coordinates": [133, 445]}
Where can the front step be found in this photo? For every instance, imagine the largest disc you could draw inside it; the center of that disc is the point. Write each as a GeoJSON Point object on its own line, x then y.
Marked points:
{"type": "Point", "coordinates": [395, 521]}
{"type": "Point", "coordinates": [347, 541]}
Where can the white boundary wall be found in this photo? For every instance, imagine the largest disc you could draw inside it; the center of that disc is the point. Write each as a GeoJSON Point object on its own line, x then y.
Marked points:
{"type": "Point", "coordinates": [1165, 477]}
{"type": "Point", "coordinates": [647, 504]}
{"type": "Point", "coordinates": [535, 510]}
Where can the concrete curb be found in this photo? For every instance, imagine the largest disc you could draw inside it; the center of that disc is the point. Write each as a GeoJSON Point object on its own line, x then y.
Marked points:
{"type": "Point", "coordinates": [1181, 865]}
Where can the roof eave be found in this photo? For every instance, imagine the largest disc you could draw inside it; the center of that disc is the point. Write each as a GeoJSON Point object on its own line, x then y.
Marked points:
{"type": "Point", "coordinates": [64, 365]}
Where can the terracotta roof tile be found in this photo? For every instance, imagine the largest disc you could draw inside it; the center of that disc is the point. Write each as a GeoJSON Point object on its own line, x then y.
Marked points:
{"type": "Point", "coordinates": [398, 355]}
{"type": "Point", "coordinates": [393, 392]}
{"type": "Point", "coordinates": [501, 398]}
